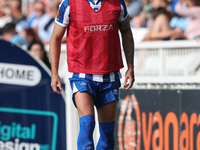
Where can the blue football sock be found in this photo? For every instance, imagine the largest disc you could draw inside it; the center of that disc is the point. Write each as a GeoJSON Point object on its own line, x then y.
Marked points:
{"type": "Point", "coordinates": [85, 137]}
{"type": "Point", "coordinates": [106, 140]}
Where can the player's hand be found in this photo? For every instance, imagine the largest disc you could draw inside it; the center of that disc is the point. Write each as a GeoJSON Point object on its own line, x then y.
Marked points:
{"type": "Point", "coordinates": [129, 79]}
{"type": "Point", "coordinates": [56, 84]}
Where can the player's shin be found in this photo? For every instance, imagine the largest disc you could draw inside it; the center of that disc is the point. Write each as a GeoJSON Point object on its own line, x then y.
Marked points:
{"type": "Point", "coordinates": [106, 140]}
{"type": "Point", "coordinates": [85, 138]}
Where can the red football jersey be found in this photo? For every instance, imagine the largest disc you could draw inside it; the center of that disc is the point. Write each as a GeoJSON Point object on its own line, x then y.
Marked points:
{"type": "Point", "coordinates": [93, 44]}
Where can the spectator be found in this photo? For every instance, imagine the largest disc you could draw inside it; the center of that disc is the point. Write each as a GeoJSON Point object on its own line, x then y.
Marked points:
{"type": "Point", "coordinates": [134, 7]}
{"type": "Point", "coordinates": [4, 13]}
{"type": "Point", "coordinates": [144, 18]}
{"type": "Point", "coordinates": [33, 16]}
{"type": "Point", "coordinates": [9, 34]}
{"type": "Point", "coordinates": [41, 19]}
{"type": "Point", "coordinates": [180, 27]}
{"type": "Point", "coordinates": [37, 50]}
{"type": "Point", "coordinates": [4, 18]}
{"type": "Point", "coordinates": [4, 7]}
{"type": "Point", "coordinates": [39, 11]}
{"type": "Point", "coordinates": [16, 11]}
{"type": "Point", "coordinates": [161, 18]}
{"type": "Point", "coordinates": [30, 8]}
{"type": "Point", "coordinates": [30, 35]}
{"type": "Point", "coordinates": [172, 5]}
{"type": "Point", "coordinates": [191, 21]}
{"type": "Point", "coordinates": [56, 2]}
{"type": "Point", "coordinates": [46, 23]}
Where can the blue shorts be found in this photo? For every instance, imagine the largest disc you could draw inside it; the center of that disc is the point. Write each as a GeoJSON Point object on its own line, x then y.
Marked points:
{"type": "Point", "coordinates": [103, 92]}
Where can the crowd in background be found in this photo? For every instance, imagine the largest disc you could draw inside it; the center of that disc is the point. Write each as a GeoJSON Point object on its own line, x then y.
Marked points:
{"type": "Point", "coordinates": [164, 20]}
{"type": "Point", "coordinates": [32, 29]}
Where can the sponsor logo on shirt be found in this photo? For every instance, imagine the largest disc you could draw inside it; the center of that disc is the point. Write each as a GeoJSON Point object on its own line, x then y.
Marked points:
{"type": "Point", "coordinates": [94, 28]}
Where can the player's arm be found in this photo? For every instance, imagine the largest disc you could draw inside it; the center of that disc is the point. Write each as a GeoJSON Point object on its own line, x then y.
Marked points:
{"type": "Point", "coordinates": [54, 52]}
{"type": "Point", "coordinates": [128, 46]}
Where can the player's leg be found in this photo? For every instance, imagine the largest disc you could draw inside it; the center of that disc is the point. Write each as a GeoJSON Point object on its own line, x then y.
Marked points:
{"type": "Point", "coordinates": [107, 112]}
{"type": "Point", "coordinates": [85, 105]}
{"type": "Point", "coordinates": [107, 99]}
{"type": "Point", "coordinates": [106, 116]}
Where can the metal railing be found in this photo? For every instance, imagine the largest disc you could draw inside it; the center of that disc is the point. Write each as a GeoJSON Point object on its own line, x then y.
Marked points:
{"type": "Point", "coordinates": [159, 64]}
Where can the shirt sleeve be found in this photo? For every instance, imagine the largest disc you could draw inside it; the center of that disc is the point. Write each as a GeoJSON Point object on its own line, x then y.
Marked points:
{"type": "Point", "coordinates": [63, 14]}
{"type": "Point", "coordinates": [123, 14]}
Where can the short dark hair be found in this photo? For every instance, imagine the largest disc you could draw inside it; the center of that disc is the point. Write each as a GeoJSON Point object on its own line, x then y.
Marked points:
{"type": "Point", "coordinates": [8, 27]}
{"type": "Point", "coordinates": [36, 42]}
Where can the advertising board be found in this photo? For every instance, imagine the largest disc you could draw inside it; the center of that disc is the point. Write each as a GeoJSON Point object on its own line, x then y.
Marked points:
{"type": "Point", "coordinates": [158, 120]}
{"type": "Point", "coordinates": [32, 116]}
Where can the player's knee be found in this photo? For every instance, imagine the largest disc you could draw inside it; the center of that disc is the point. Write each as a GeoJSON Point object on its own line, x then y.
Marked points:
{"type": "Point", "coordinates": [106, 140]}
{"type": "Point", "coordinates": [85, 138]}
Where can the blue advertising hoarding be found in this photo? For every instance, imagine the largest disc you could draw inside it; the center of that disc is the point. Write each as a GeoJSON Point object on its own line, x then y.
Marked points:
{"type": "Point", "coordinates": [32, 116]}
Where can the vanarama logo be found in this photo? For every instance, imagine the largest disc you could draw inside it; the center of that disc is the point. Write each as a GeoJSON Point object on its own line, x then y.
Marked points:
{"type": "Point", "coordinates": [151, 131]}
